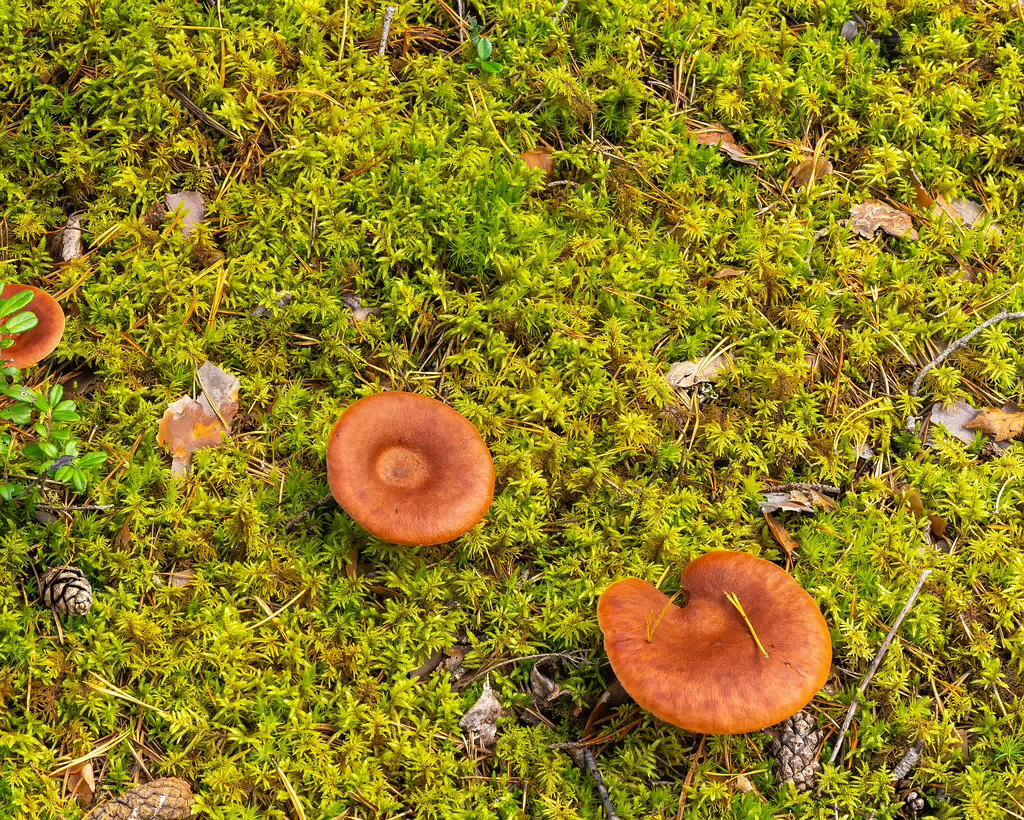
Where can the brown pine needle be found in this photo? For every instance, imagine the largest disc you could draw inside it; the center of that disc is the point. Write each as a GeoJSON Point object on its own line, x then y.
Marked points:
{"type": "Point", "coordinates": [734, 599]}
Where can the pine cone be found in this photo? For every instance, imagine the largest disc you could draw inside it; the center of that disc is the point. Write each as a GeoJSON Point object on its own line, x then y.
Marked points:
{"type": "Point", "coordinates": [795, 748]}
{"type": "Point", "coordinates": [166, 798]}
{"type": "Point", "coordinates": [66, 591]}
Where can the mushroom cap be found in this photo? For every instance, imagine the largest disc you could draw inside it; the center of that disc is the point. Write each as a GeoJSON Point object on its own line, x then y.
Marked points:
{"type": "Point", "coordinates": [409, 469]}
{"type": "Point", "coordinates": [39, 342]}
{"type": "Point", "coordinates": [702, 670]}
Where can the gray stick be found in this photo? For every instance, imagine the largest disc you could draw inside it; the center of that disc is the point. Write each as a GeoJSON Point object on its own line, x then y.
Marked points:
{"type": "Point", "coordinates": [960, 344]}
{"type": "Point", "coordinates": [602, 790]}
{"type": "Point", "coordinates": [389, 13]}
{"type": "Point", "coordinates": [875, 664]}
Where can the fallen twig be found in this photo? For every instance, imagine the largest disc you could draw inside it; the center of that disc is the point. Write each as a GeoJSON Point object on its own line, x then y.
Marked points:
{"type": "Point", "coordinates": [875, 664]}
{"type": "Point", "coordinates": [462, 683]}
{"type": "Point", "coordinates": [306, 513]}
{"type": "Point", "coordinates": [909, 761]}
{"type": "Point", "coordinates": [606, 800]}
{"type": "Point", "coordinates": [583, 757]}
{"type": "Point", "coordinates": [389, 13]}
{"type": "Point", "coordinates": [960, 344]}
{"type": "Point", "coordinates": [800, 485]}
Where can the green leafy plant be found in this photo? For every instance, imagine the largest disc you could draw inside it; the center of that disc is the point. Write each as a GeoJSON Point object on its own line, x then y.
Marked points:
{"type": "Point", "coordinates": [43, 419]}
{"type": "Point", "coordinates": [483, 48]}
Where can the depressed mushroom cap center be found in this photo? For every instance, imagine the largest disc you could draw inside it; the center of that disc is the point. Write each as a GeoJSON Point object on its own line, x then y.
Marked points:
{"type": "Point", "coordinates": [402, 467]}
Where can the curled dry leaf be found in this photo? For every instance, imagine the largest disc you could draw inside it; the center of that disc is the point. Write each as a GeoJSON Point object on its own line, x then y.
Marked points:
{"type": "Point", "coordinates": [684, 375]}
{"type": "Point", "coordinates": [360, 313]}
{"type": "Point", "coordinates": [802, 501]}
{"type": "Point", "coordinates": [193, 208]}
{"type": "Point", "coordinates": [539, 159]}
{"type": "Point", "coordinates": [808, 171]}
{"type": "Point", "coordinates": [870, 216]}
{"type": "Point", "coordinates": [1002, 425]}
{"type": "Point", "coordinates": [781, 534]}
{"type": "Point", "coordinates": [166, 798]}
{"type": "Point", "coordinates": [544, 690]}
{"type": "Point", "coordinates": [481, 721]}
{"type": "Point", "coordinates": [190, 425]}
{"type": "Point", "coordinates": [66, 244]}
{"type": "Point", "coordinates": [80, 784]}
{"type": "Point", "coordinates": [715, 134]}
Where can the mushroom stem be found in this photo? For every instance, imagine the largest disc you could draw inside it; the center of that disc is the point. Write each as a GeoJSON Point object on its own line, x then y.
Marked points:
{"type": "Point", "coordinates": [734, 599]}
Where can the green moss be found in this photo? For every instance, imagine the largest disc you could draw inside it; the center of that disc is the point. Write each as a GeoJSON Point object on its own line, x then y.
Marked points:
{"type": "Point", "coordinates": [547, 315]}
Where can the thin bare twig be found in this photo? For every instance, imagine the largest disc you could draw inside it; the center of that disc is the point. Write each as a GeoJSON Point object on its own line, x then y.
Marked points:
{"type": "Point", "coordinates": [909, 761]}
{"type": "Point", "coordinates": [960, 344]}
{"type": "Point", "coordinates": [602, 790]}
{"type": "Point", "coordinates": [800, 485]}
{"type": "Point", "coordinates": [577, 659]}
{"type": "Point", "coordinates": [312, 508]}
{"type": "Point", "coordinates": [583, 757]}
{"type": "Point", "coordinates": [389, 13]}
{"type": "Point", "coordinates": [875, 664]}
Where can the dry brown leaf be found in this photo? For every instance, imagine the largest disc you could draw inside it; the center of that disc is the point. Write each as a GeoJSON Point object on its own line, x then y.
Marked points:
{"type": "Point", "coordinates": [872, 215]}
{"type": "Point", "coordinates": [190, 425]}
{"type": "Point", "coordinates": [684, 375]}
{"type": "Point", "coordinates": [808, 171]}
{"type": "Point", "coordinates": [481, 721]}
{"type": "Point", "coordinates": [193, 208]}
{"type": "Point", "coordinates": [1001, 425]}
{"type": "Point", "coordinates": [80, 784]}
{"type": "Point", "coordinates": [539, 159]}
{"type": "Point", "coordinates": [922, 198]}
{"type": "Point", "coordinates": [781, 534]}
{"type": "Point", "coordinates": [715, 134]}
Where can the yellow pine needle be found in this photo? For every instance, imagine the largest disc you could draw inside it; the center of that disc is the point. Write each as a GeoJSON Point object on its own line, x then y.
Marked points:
{"type": "Point", "coordinates": [292, 794]}
{"type": "Point", "coordinates": [734, 599]}
{"type": "Point", "coordinates": [650, 629]}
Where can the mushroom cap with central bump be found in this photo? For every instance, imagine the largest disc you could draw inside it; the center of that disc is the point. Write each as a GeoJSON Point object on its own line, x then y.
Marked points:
{"type": "Point", "coordinates": [698, 666]}
{"type": "Point", "coordinates": [36, 344]}
{"type": "Point", "coordinates": [409, 469]}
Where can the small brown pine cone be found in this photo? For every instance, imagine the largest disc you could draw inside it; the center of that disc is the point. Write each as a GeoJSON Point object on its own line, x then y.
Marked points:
{"type": "Point", "coordinates": [66, 591]}
{"type": "Point", "coordinates": [795, 746]}
{"type": "Point", "coordinates": [166, 798]}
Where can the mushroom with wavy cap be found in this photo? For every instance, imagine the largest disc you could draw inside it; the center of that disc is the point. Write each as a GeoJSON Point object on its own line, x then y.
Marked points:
{"type": "Point", "coordinates": [747, 650]}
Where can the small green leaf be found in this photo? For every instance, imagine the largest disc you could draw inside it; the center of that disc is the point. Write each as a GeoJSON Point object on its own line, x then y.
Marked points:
{"type": "Point", "coordinates": [19, 301]}
{"type": "Point", "coordinates": [64, 473]}
{"type": "Point", "coordinates": [489, 67]}
{"type": "Point", "coordinates": [17, 415]}
{"type": "Point", "coordinates": [20, 323]}
{"type": "Point", "coordinates": [56, 394]}
{"type": "Point", "coordinates": [90, 460]}
{"type": "Point", "coordinates": [483, 48]}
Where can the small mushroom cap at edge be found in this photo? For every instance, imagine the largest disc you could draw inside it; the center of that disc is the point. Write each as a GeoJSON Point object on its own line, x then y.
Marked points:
{"type": "Point", "coordinates": [698, 666]}
{"type": "Point", "coordinates": [410, 469]}
{"type": "Point", "coordinates": [36, 344]}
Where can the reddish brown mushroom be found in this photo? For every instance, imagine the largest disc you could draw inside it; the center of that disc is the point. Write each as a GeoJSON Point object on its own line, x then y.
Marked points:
{"type": "Point", "coordinates": [39, 342]}
{"type": "Point", "coordinates": [702, 666]}
{"type": "Point", "coordinates": [409, 469]}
